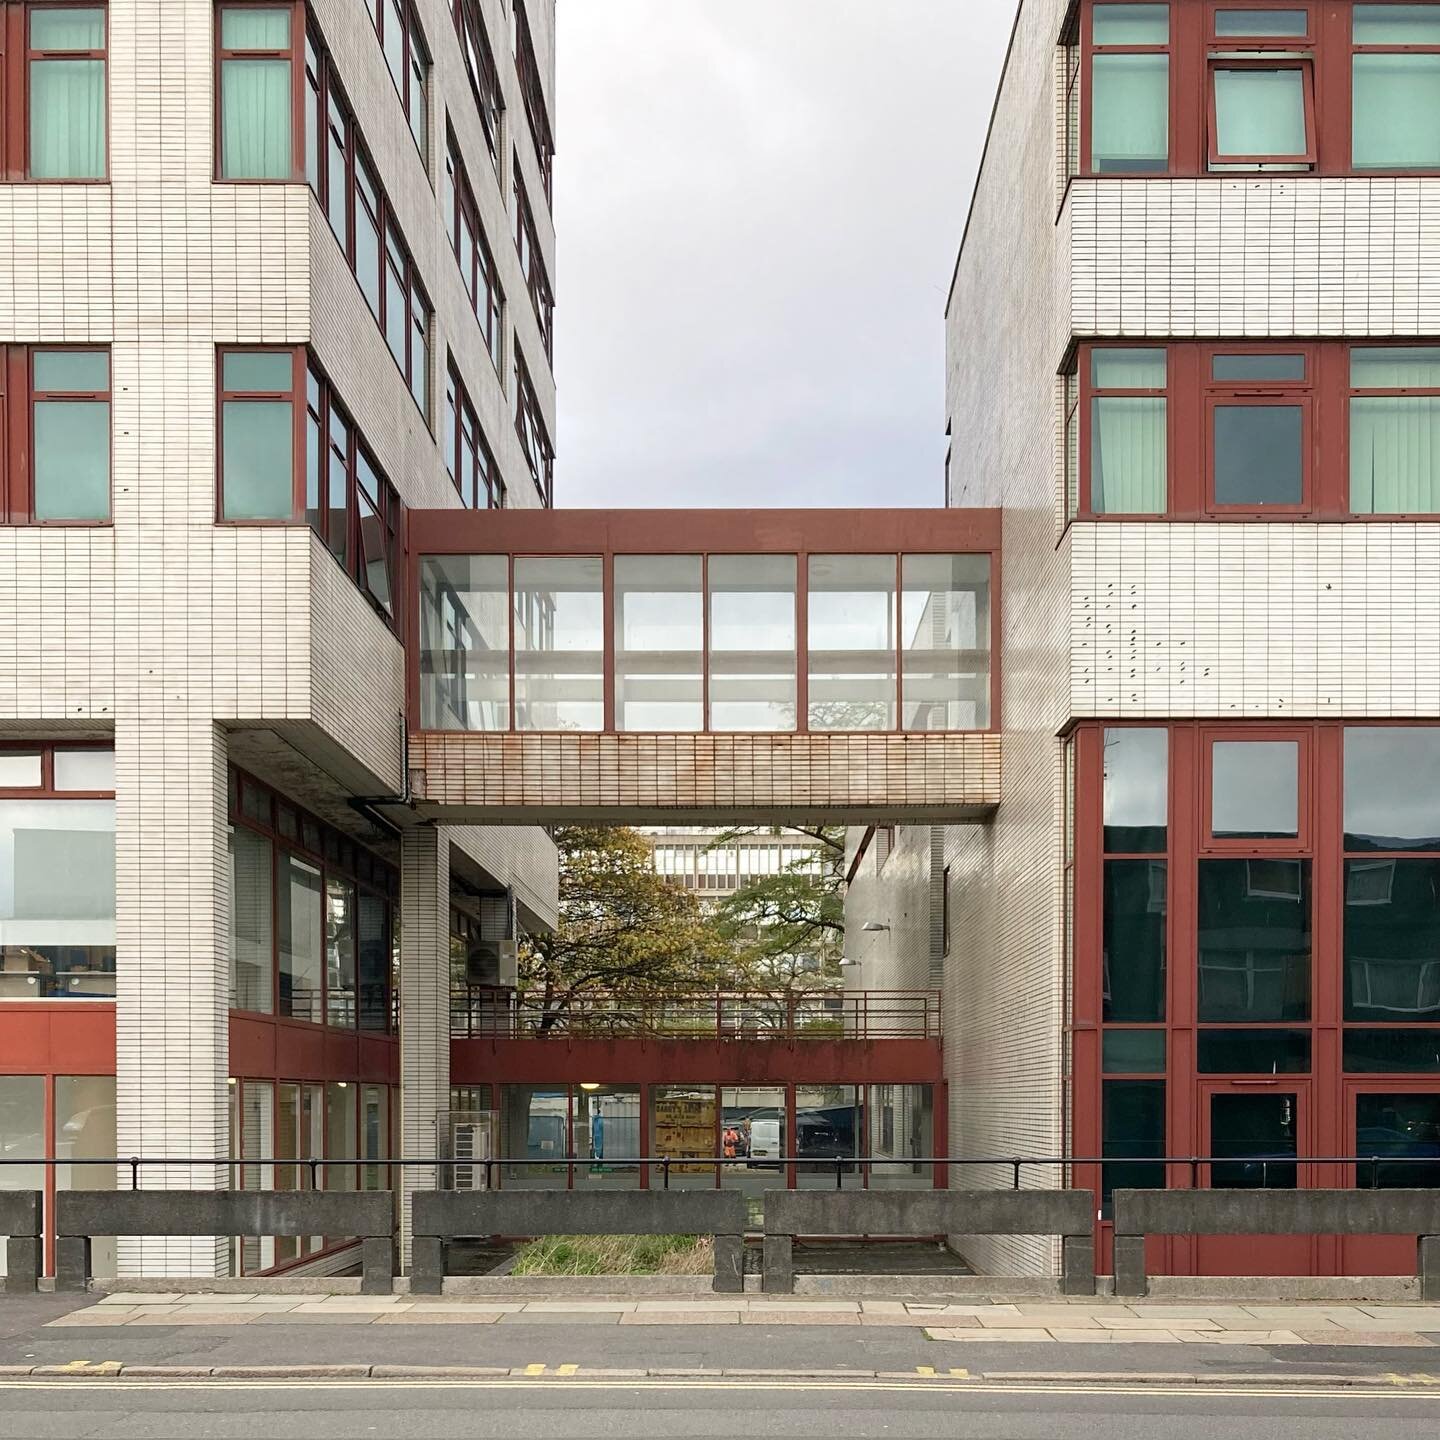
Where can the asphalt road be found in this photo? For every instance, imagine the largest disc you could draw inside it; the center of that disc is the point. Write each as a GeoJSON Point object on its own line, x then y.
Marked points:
{"type": "Point", "coordinates": [557, 1410]}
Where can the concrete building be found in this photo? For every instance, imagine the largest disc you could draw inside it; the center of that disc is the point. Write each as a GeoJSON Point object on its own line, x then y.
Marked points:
{"type": "Point", "coordinates": [273, 273]}
{"type": "Point", "coordinates": [1192, 357]}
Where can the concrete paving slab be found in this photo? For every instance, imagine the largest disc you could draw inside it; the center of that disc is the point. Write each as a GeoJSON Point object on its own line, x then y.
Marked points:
{"type": "Point", "coordinates": [1405, 1317]}
{"type": "Point", "coordinates": [1379, 1338]}
{"type": "Point", "coordinates": [1239, 1337]}
{"type": "Point", "coordinates": [807, 1307]}
{"type": "Point", "coordinates": [192, 1316]}
{"type": "Point", "coordinates": [289, 1317]}
{"type": "Point", "coordinates": [1028, 1322]}
{"type": "Point", "coordinates": [472, 1316]}
{"type": "Point", "coordinates": [962, 1309]}
{"type": "Point", "coordinates": [561, 1317]}
{"type": "Point", "coordinates": [92, 1318]}
{"type": "Point", "coordinates": [350, 1305]}
{"type": "Point", "coordinates": [166, 1297]}
{"type": "Point", "coordinates": [783, 1317]}
{"type": "Point", "coordinates": [213, 1298]}
{"type": "Point", "coordinates": [1129, 1323]}
{"type": "Point", "coordinates": [913, 1321]}
{"type": "Point", "coordinates": [682, 1317]}
{"type": "Point", "coordinates": [437, 1372]}
{"type": "Point", "coordinates": [577, 1307]}
{"type": "Point", "coordinates": [987, 1336]}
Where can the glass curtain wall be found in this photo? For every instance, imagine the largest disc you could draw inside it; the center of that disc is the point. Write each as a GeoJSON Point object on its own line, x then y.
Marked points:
{"type": "Point", "coordinates": [535, 1126]}
{"type": "Point", "coordinates": [605, 1128]}
{"type": "Point", "coordinates": [302, 925]}
{"type": "Point", "coordinates": [659, 643]}
{"type": "Point", "coordinates": [852, 642]}
{"type": "Point", "coordinates": [465, 642]}
{"type": "Point", "coordinates": [252, 936]}
{"type": "Point", "coordinates": [900, 1124]}
{"type": "Point", "coordinates": [684, 1121]}
{"type": "Point", "coordinates": [945, 634]}
{"type": "Point", "coordinates": [829, 1128]}
{"type": "Point", "coordinates": [752, 613]}
{"type": "Point", "coordinates": [559, 644]}
{"type": "Point", "coordinates": [22, 1134]}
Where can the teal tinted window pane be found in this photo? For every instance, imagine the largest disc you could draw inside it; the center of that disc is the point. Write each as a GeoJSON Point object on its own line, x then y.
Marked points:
{"type": "Point", "coordinates": [1411, 1050]}
{"type": "Point", "coordinates": [1395, 454]}
{"type": "Point", "coordinates": [1136, 806]}
{"type": "Point", "coordinates": [81, 372]}
{"type": "Point", "coordinates": [1258, 456]}
{"type": "Point", "coordinates": [1261, 22]}
{"type": "Point", "coordinates": [1396, 112]}
{"type": "Point", "coordinates": [72, 460]}
{"type": "Point", "coordinates": [1134, 1052]}
{"type": "Point", "coordinates": [1253, 1052]}
{"type": "Point", "coordinates": [255, 27]}
{"type": "Point", "coordinates": [255, 104]}
{"type": "Point", "coordinates": [1392, 940]}
{"type": "Point", "coordinates": [1132, 1126]}
{"type": "Point", "coordinates": [1113, 368]}
{"type": "Point", "coordinates": [1264, 1129]}
{"type": "Point", "coordinates": [1395, 367]}
{"type": "Point", "coordinates": [1254, 940]}
{"type": "Point", "coordinates": [67, 119]}
{"type": "Point", "coordinates": [1397, 25]}
{"type": "Point", "coordinates": [1257, 367]}
{"type": "Point", "coordinates": [259, 460]}
{"type": "Point", "coordinates": [1392, 787]}
{"type": "Point", "coordinates": [68, 29]}
{"type": "Point", "coordinates": [258, 370]}
{"type": "Point", "coordinates": [1255, 789]}
{"type": "Point", "coordinates": [1128, 443]}
{"type": "Point", "coordinates": [1404, 1129]}
{"type": "Point", "coordinates": [1260, 112]}
{"type": "Point", "coordinates": [1132, 24]}
{"type": "Point", "coordinates": [1134, 940]}
{"type": "Point", "coordinates": [1130, 113]}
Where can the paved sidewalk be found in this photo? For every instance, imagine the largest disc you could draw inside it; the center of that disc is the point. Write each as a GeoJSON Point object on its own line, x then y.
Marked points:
{"type": "Point", "coordinates": [1087, 1322]}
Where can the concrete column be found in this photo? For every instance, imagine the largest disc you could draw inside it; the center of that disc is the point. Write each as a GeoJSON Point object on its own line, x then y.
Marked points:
{"type": "Point", "coordinates": [172, 918]}
{"type": "Point", "coordinates": [424, 1006]}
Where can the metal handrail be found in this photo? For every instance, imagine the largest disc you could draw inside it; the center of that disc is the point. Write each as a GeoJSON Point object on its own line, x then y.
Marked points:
{"type": "Point", "coordinates": [1015, 1163]}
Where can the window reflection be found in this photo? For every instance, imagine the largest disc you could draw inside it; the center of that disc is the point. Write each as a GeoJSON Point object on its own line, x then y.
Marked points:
{"type": "Point", "coordinates": [659, 643]}
{"type": "Point", "coordinates": [1392, 939]}
{"type": "Point", "coordinates": [752, 642]}
{"type": "Point", "coordinates": [1136, 789]}
{"type": "Point", "coordinates": [1255, 789]}
{"type": "Point", "coordinates": [945, 624]}
{"type": "Point", "coordinates": [465, 642]}
{"type": "Point", "coordinates": [1392, 787]}
{"type": "Point", "coordinates": [1254, 940]}
{"type": "Point", "coordinates": [559, 644]}
{"type": "Point", "coordinates": [852, 635]}
{"type": "Point", "coordinates": [1134, 940]}
{"type": "Point", "coordinates": [1395, 1126]}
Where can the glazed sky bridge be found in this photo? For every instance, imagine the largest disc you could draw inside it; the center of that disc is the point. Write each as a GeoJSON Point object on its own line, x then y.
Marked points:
{"type": "Point", "coordinates": [703, 665]}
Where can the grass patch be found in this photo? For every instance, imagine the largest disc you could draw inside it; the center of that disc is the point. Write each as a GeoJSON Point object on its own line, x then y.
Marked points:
{"type": "Point", "coordinates": [616, 1255]}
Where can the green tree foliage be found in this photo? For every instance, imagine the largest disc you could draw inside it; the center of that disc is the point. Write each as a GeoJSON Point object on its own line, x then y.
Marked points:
{"type": "Point", "coordinates": [788, 929]}
{"type": "Point", "coordinates": [625, 934]}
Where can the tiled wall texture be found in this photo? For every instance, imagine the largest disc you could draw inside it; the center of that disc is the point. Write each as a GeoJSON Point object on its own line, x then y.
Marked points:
{"type": "Point", "coordinates": [630, 778]}
{"type": "Point", "coordinates": [1254, 255]}
{"type": "Point", "coordinates": [1006, 330]}
{"type": "Point", "coordinates": [168, 628]}
{"type": "Point", "coordinates": [896, 893]}
{"type": "Point", "coordinates": [1255, 620]}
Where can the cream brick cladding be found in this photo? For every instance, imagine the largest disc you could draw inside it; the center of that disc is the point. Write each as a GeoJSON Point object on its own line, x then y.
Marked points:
{"type": "Point", "coordinates": [1254, 255]}
{"type": "Point", "coordinates": [1265, 619]}
{"type": "Point", "coordinates": [896, 894]}
{"type": "Point", "coordinates": [1007, 329]}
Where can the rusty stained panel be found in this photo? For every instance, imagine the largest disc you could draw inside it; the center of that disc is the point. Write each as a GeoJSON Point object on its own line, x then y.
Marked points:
{"type": "Point", "coordinates": [476, 778]}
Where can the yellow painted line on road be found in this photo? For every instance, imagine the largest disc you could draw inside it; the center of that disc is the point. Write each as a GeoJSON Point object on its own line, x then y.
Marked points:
{"type": "Point", "coordinates": [566, 1369]}
{"type": "Point", "coordinates": [1419, 1378]}
{"type": "Point", "coordinates": [926, 1370]}
{"type": "Point", "coordinates": [534, 1369]}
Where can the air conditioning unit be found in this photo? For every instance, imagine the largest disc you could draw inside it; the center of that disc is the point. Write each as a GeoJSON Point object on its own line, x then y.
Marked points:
{"type": "Point", "coordinates": [469, 1141]}
{"type": "Point", "coordinates": [493, 962]}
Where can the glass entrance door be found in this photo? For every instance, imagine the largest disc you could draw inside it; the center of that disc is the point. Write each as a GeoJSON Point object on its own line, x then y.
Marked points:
{"type": "Point", "coordinates": [1257, 1136]}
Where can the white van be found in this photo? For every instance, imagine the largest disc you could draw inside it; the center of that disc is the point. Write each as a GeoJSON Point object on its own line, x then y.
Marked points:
{"type": "Point", "coordinates": [765, 1141]}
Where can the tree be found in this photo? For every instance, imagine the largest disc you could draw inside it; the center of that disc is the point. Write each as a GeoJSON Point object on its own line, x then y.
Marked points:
{"type": "Point", "coordinates": [789, 928]}
{"type": "Point", "coordinates": [625, 933]}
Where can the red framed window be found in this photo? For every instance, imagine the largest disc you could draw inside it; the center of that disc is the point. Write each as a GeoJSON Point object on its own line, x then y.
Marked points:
{"type": "Point", "coordinates": [480, 67]}
{"type": "Point", "coordinates": [1255, 789]}
{"type": "Point", "coordinates": [468, 458]}
{"type": "Point", "coordinates": [1259, 411]}
{"type": "Point", "coordinates": [534, 437]}
{"type": "Point", "coordinates": [344, 179]}
{"type": "Point", "coordinates": [532, 263]}
{"type": "Point", "coordinates": [408, 57]}
{"type": "Point", "coordinates": [259, 132]}
{"type": "Point", "coordinates": [478, 271]}
{"type": "Point", "coordinates": [1127, 122]}
{"type": "Point", "coordinates": [289, 453]}
{"type": "Point", "coordinates": [54, 60]}
{"type": "Point", "coordinates": [1124, 395]}
{"type": "Point", "coordinates": [532, 90]}
{"type": "Point", "coordinates": [1395, 88]}
{"type": "Point", "coordinates": [1260, 86]}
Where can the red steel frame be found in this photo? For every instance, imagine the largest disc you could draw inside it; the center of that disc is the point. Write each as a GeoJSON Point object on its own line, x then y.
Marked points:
{"type": "Point", "coordinates": [1325, 1092]}
{"type": "Point", "coordinates": [1192, 44]}
{"type": "Point", "coordinates": [604, 534]}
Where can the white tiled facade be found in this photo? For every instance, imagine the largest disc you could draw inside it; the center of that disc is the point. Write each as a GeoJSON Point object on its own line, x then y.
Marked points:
{"type": "Point", "coordinates": [174, 634]}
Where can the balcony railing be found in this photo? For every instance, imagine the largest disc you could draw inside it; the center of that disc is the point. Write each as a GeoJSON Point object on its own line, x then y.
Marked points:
{"type": "Point", "coordinates": [481, 1012]}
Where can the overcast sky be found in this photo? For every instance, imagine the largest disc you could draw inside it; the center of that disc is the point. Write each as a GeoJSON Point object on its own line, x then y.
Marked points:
{"type": "Point", "coordinates": [758, 205]}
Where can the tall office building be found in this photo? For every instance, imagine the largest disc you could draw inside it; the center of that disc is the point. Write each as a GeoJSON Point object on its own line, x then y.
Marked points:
{"type": "Point", "coordinates": [272, 274]}
{"type": "Point", "coordinates": [1193, 355]}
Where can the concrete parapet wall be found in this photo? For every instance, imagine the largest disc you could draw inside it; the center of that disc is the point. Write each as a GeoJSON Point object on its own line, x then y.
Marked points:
{"type": "Point", "coordinates": [20, 1217]}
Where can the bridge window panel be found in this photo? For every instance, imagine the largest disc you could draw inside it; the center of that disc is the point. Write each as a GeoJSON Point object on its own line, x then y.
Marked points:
{"type": "Point", "coordinates": [829, 1128]}
{"type": "Point", "coordinates": [1136, 800]}
{"type": "Point", "coordinates": [1400, 1128]}
{"type": "Point", "coordinates": [1395, 429]}
{"type": "Point", "coordinates": [465, 642]}
{"type": "Point", "coordinates": [852, 642]}
{"type": "Point", "coordinates": [1254, 940]}
{"type": "Point", "coordinates": [1395, 90]}
{"type": "Point", "coordinates": [252, 922]}
{"type": "Point", "coordinates": [1392, 940]}
{"type": "Point", "coordinates": [301, 947]}
{"type": "Point", "coordinates": [57, 899]}
{"type": "Point", "coordinates": [535, 1126]}
{"type": "Point", "coordinates": [753, 1127]}
{"type": "Point", "coordinates": [683, 1125]}
{"type": "Point", "coordinates": [559, 643]}
{"type": "Point", "coordinates": [606, 1129]}
{"type": "Point", "coordinates": [945, 621]}
{"type": "Point", "coordinates": [659, 643]}
{"type": "Point", "coordinates": [752, 602]}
